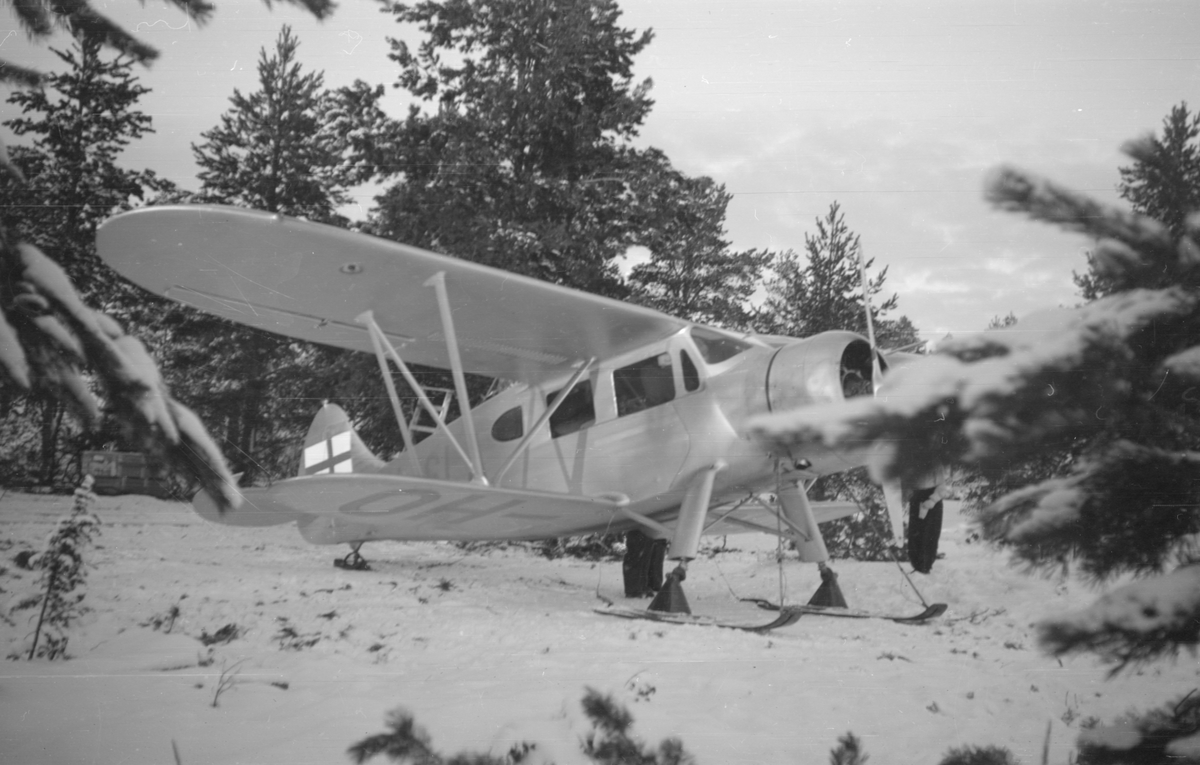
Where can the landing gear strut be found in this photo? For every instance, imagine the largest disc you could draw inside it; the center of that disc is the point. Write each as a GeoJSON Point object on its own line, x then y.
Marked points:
{"type": "Point", "coordinates": [670, 598]}
{"type": "Point", "coordinates": [828, 594]}
{"type": "Point", "coordinates": [686, 542]}
{"type": "Point", "coordinates": [354, 561]}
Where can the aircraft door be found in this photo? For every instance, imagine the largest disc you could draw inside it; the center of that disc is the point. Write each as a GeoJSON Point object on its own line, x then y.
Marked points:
{"type": "Point", "coordinates": [642, 444]}
{"type": "Point", "coordinates": [631, 439]}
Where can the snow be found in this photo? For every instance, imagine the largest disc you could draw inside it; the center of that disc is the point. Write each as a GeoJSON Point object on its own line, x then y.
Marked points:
{"type": "Point", "coordinates": [491, 648]}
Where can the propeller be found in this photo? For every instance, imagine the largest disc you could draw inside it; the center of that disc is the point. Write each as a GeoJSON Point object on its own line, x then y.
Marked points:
{"type": "Point", "coordinates": [892, 495]}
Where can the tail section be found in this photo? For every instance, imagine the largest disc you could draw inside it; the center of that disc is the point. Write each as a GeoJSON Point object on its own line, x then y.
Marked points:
{"type": "Point", "coordinates": [332, 446]}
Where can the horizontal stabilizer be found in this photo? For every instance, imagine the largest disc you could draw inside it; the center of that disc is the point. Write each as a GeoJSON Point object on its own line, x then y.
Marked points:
{"type": "Point", "coordinates": [754, 517]}
{"type": "Point", "coordinates": [333, 509]}
{"type": "Point", "coordinates": [256, 510]}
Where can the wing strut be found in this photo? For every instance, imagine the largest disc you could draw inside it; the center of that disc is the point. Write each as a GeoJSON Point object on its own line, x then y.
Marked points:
{"type": "Point", "coordinates": [438, 282]}
{"type": "Point", "coordinates": [367, 319]}
{"type": "Point", "coordinates": [799, 534]}
{"type": "Point", "coordinates": [730, 512]}
{"type": "Point", "coordinates": [546, 415]}
{"type": "Point", "coordinates": [645, 520]}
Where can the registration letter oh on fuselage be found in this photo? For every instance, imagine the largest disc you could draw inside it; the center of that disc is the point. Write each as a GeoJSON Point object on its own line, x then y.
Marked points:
{"type": "Point", "coordinates": [422, 504]}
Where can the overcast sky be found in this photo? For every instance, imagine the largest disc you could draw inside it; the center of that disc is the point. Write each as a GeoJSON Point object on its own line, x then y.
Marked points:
{"type": "Point", "coordinates": [895, 109]}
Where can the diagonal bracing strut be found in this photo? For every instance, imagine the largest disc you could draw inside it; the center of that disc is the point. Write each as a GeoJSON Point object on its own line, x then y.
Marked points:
{"type": "Point", "coordinates": [384, 347]}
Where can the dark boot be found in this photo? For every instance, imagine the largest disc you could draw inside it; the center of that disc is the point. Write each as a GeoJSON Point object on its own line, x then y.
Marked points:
{"type": "Point", "coordinates": [923, 533]}
{"type": "Point", "coordinates": [637, 564]}
{"type": "Point", "coordinates": [658, 553]}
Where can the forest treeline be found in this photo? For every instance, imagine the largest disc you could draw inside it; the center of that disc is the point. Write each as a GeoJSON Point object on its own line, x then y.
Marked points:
{"type": "Point", "coordinates": [521, 158]}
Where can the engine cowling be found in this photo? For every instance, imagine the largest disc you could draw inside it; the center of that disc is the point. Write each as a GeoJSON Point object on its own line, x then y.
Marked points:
{"type": "Point", "coordinates": [822, 369]}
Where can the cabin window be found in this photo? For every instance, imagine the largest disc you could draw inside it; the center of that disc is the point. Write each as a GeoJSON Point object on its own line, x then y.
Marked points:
{"type": "Point", "coordinates": [509, 426]}
{"type": "Point", "coordinates": [577, 410]}
{"type": "Point", "coordinates": [716, 347]}
{"type": "Point", "coordinates": [644, 384]}
{"type": "Point", "coordinates": [691, 378]}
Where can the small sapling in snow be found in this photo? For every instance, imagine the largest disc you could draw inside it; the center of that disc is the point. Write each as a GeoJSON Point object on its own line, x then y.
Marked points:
{"type": "Point", "coordinates": [405, 741]}
{"type": "Point", "coordinates": [610, 742]}
{"type": "Point", "coordinates": [63, 575]}
{"type": "Point", "coordinates": [228, 679]}
{"type": "Point", "coordinates": [848, 752]}
{"type": "Point", "coordinates": [291, 639]}
{"type": "Point", "coordinates": [164, 622]}
{"type": "Point", "coordinates": [226, 634]}
{"type": "Point", "coordinates": [979, 755]}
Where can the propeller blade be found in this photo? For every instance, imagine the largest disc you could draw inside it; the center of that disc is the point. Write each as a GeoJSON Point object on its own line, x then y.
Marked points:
{"type": "Point", "coordinates": [892, 496]}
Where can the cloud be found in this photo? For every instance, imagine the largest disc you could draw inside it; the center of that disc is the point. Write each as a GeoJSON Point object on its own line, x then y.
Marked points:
{"type": "Point", "coordinates": [927, 282]}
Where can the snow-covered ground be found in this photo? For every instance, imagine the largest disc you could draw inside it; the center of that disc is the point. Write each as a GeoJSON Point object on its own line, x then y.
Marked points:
{"type": "Point", "coordinates": [491, 648]}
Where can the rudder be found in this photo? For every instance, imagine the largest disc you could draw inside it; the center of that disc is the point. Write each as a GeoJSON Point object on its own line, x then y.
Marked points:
{"type": "Point", "coordinates": [332, 446]}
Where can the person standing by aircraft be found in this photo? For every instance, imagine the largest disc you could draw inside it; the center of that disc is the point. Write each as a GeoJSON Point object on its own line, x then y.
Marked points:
{"type": "Point", "coordinates": [642, 565]}
{"type": "Point", "coordinates": [925, 519]}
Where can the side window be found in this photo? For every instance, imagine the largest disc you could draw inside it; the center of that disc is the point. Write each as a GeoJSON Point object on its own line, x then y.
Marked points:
{"type": "Point", "coordinates": [691, 378]}
{"type": "Point", "coordinates": [509, 426]}
{"type": "Point", "coordinates": [577, 410]}
{"type": "Point", "coordinates": [716, 347]}
{"type": "Point", "coordinates": [644, 384]}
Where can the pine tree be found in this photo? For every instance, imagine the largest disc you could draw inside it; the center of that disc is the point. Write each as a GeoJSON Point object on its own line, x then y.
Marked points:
{"type": "Point", "coordinates": [823, 290]}
{"type": "Point", "coordinates": [279, 149]}
{"type": "Point", "coordinates": [80, 122]}
{"type": "Point", "coordinates": [691, 273]}
{"type": "Point", "coordinates": [292, 147]}
{"type": "Point", "coordinates": [897, 335]}
{"type": "Point", "coordinates": [1164, 180]}
{"type": "Point", "coordinates": [1118, 373]}
{"type": "Point", "coordinates": [525, 162]}
{"type": "Point", "coordinates": [1163, 183]}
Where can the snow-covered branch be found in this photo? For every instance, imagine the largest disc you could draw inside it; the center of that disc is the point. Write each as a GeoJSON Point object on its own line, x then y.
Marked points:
{"type": "Point", "coordinates": [1000, 396]}
{"type": "Point", "coordinates": [1118, 377]}
{"type": "Point", "coordinates": [48, 341]}
{"type": "Point", "coordinates": [1137, 622]}
{"type": "Point", "coordinates": [1124, 507]}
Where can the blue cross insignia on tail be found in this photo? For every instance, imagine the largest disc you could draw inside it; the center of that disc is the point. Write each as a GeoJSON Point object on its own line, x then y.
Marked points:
{"type": "Point", "coordinates": [329, 456]}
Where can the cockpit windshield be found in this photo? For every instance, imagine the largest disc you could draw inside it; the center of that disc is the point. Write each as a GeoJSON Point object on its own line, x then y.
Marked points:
{"type": "Point", "coordinates": [716, 347]}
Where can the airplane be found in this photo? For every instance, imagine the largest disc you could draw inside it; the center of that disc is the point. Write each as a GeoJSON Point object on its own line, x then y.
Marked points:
{"type": "Point", "coordinates": [616, 418]}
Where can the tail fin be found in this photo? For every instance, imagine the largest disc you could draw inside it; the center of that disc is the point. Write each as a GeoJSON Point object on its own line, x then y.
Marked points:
{"type": "Point", "coordinates": [332, 446]}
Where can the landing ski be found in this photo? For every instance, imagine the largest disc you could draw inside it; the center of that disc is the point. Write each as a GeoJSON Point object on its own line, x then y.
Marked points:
{"type": "Point", "coordinates": [931, 611]}
{"type": "Point", "coordinates": [784, 619]}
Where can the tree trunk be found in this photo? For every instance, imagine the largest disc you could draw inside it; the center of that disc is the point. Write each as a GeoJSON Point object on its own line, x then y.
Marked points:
{"type": "Point", "coordinates": [52, 414]}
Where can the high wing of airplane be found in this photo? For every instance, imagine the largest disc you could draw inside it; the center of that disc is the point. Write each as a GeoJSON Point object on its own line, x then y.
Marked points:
{"type": "Point", "coordinates": [312, 282]}
{"type": "Point", "coordinates": [620, 418]}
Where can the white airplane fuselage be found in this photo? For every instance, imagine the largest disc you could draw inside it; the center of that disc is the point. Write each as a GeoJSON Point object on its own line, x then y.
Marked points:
{"type": "Point", "coordinates": [650, 451]}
